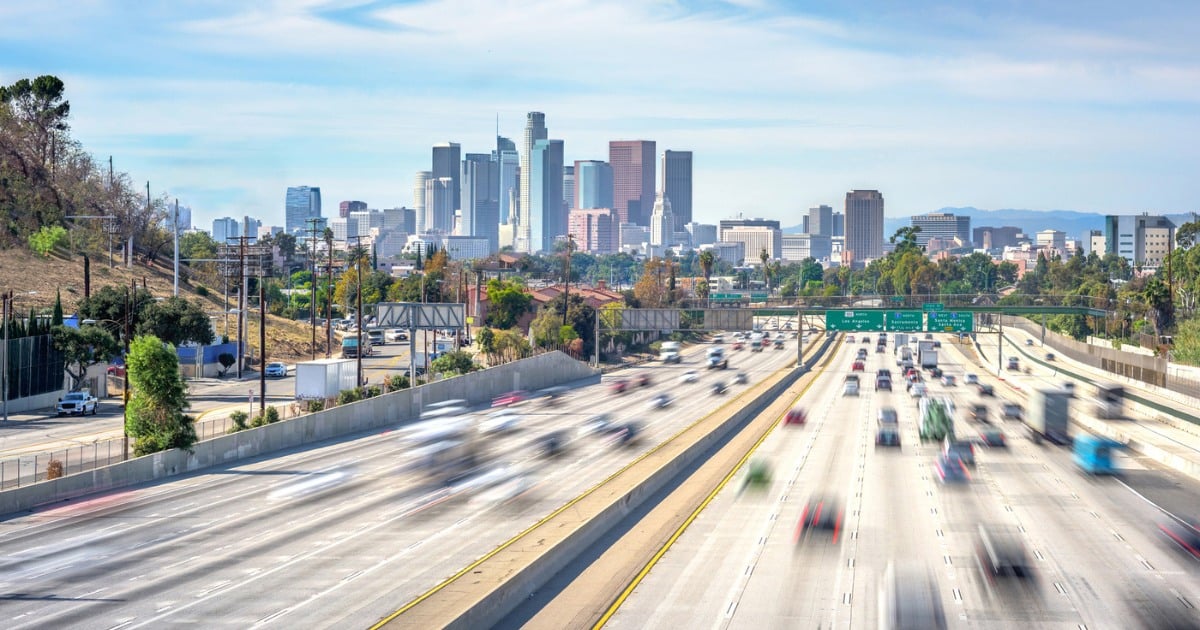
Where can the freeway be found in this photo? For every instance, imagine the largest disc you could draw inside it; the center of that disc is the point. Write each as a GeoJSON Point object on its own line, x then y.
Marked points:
{"type": "Point", "coordinates": [1092, 542]}
{"type": "Point", "coordinates": [337, 535]}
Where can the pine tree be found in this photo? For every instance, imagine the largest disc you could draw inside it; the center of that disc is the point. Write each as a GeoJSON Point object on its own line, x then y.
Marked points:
{"type": "Point", "coordinates": [57, 318]}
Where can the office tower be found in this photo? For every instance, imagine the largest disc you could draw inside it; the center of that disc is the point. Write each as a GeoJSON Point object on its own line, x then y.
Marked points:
{"type": "Point", "coordinates": [547, 217]}
{"type": "Point", "coordinates": [677, 185]}
{"type": "Point", "coordinates": [224, 229]}
{"type": "Point", "coordinates": [183, 220]}
{"type": "Point", "coordinates": [420, 185]}
{"type": "Point", "coordinates": [535, 130]}
{"type": "Point", "coordinates": [302, 203]}
{"type": "Point", "coordinates": [632, 236]}
{"type": "Point", "coordinates": [864, 226]}
{"type": "Point", "coordinates": [447, 162]}
{"type": "Point", "coordinates": [1143, 239]}
{"type": "Point", "coordinates": [439, 202]}
{"type": "Point", "coordinates": [1052, 239]}
{"type": "Point", "coordinates": [595, 230]}
{"type": "Point", "coordinates": [399, 220]}
{"type": "Point", "coordinates": [480, 208]}
{"type": "Point", "coordinates": [569, 187]}
{"type": "Point", "coordinates": [346, 207]}
{"type": "Point", "coordinates": [593, 184]}
{"type": "Point", "coordinates": [250, 226]}
{"type": "Point", "coordinates": [507, 162]}
{"type": "Point", "coordinates": [820, 220]}
{"type": "Point", "coordinates": [344, 228]}
{"type": "Point", "coordinates": [797, 247]}
{"type": "Point", "coordinates": [702, 233]}
{"type": "Point", "coordinates": [728, 224]}
{"type": "Point", "coordinates": [632, 164]}
{"type": "Point", "coordinates": [839, 224]}
{"type": "Point", "coordinates": [942, 226]}
{"type": "Point", "coordinates": [662, 222]}
{"type": "Point", "coordinates": [756, 238]}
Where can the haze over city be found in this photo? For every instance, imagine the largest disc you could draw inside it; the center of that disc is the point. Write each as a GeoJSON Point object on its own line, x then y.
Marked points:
{"type": "Point", "coordinates": [225, 104]}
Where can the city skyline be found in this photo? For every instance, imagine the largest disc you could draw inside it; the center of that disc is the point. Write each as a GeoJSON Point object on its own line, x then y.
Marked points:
{"type": "Point", "coordinates": [1042, 108]}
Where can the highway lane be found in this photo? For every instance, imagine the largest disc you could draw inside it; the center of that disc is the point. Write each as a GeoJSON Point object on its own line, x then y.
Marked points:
{"type": "Point", "coordinates": [738, 567]}
{"type": "Point", "coordinates": [331, 536]}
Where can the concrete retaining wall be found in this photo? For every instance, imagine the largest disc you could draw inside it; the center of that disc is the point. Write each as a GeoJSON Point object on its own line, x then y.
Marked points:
{"type": "Point", "coordinates": [539, 372]}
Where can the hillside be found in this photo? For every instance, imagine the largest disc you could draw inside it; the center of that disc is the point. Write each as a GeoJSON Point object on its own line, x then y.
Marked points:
{"type": "Point", "coordinates": [22, 272]}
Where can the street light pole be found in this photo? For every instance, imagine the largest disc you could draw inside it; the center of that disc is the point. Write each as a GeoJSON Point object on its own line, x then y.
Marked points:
{"type": "Point", "coordinates": [125, 383]}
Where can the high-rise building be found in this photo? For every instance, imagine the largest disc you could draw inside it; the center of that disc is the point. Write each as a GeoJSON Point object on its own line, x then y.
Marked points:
{"type": "Point", "coordinates": [250, 226]}
{"type": "Point", "coordinates": [1143, 239]}
{"type": "Point", "coordinates": [756, 239]}
{"type": "Point", "coordinates": [702, 234]}
{"type": "Point", "coordinates": [864, 226]}
{"type": "Point", "coordinates": [226, 228]}
{"type": "Point", "coordinates": [595, 230]}
{"type": "Point", "coordinates": [942, 226]}
{"type": "Point", "coordinates": [569, 187]}
{"type": "Point", "coordinates": [420, 187]}
{"type": "Point", "coordinates": [400, 220]}
{"type": "Point", "coordinates": [480, 208]}
{"type": "Point", "coordinates": [729, 224]}
{"type": "Point", "coordinates": [535, 130]}
{"type": "Point", "coordinates": [547, 216]}
{"type": "Point", "coordinates": [632, 164]}
{"type": "Point", "coordinates": [593, 184]}
{"type": "Point", "coordinates": [839, 224]}
{"type": "Point", "coordinates": [447, 162]}
{"type": "Point", "coordinates": [346, 207]}
{"type": "Point", "coordinates": [302, 203]}
{"type": "Point", "coordinates": [183, 220]}
{"type": "Point", "coordinates": [507, 162]}
{"type": "Point", "coordinates": [677, 185]}
{"type": "Point", "coordinates": [662, 222]}
{"type": "Point", "coordinates": [1052, 239]}
{"type": "Point", "coordinates": [820, 220]}
{"type": "Point", "coordinates": [439, 202]}
{"type": "Point", "coordinates": [632, 236]}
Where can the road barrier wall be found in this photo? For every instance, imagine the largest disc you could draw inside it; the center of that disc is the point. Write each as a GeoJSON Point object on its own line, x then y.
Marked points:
{"type": "Point", "coordinates": [399, 407]}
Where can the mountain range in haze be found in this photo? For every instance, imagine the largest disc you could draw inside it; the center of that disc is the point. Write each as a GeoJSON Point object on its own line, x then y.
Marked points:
{"type": "Point", "coordinates": [1075, 224]}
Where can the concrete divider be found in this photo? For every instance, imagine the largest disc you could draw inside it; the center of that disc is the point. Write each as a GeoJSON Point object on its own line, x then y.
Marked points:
{"type": "Point", "coordinates": [529, 562]}
{"type": "Point", "coordinates": [395, 408]}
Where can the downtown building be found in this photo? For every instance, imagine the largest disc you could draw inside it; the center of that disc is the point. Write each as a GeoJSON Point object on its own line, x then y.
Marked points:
{"type": "Point", "coordinates": [998, 238]}
{"type": "Point", "coordinates": [797, 247]}
{"type": "Point", "coordinates": [677, 185]}
{"type": "Point", "coordinates": [1143, 240]}
{"type": "Point", "coordinates": [480, 207]}
{"type": "Point", "coordinates": [346, 207]}
{"type": "Point", "coordinates": [547, 211]}
{"type": "Point", "coordinates": [226, 228]}
{"type": "Point", "coordinates": [447, 163]}
{"type": "Point", "coordinates": [755, 239]}
{"type": "Point", "coordinates": [943, 226]}
{"type": "Point", "coordinates": [535, 131]}
{"type": "Point", "coordinates": [593, 185]}
{"type": "Point", "coordinates": [820, 221]}
{"type": "Point", "coordinates": [632, 163]}
{"type": "Point", "coordinates": [595, 230]}
{"type": "Point", "coordinates": [301, 204]}
{"type": "Point", "coordinates": [864, 227]}
{"type": "Point", "coordinates": [507, 162]}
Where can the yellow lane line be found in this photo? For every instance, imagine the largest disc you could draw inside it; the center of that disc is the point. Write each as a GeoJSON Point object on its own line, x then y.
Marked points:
{"type": "Point", "coordinates": [511, 541]}
{"type": "Point", "coordinates": [637, 580]}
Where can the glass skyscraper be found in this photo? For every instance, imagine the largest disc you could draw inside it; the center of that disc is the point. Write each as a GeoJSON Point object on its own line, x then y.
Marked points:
{"type": "Point", "coordinates": [593, 184]}
{"type": "Point", "coordinates": [302, 203]}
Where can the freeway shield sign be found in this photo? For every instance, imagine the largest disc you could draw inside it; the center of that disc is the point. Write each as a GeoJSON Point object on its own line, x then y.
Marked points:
{"type": "Point", "coordinates": [854, 320]}
{"type": "Point", "coordinates": [903, 321]}
{"type": "Point", "coordinates": [951, 321]}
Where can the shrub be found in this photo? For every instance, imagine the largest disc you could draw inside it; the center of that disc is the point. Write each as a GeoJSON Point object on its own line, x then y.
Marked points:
{"type": "Point", "coordinates": [349, 395]}
{"type": "Point", "coordinates": [47, 238]}
{"type": "Point", "coordinates": [239, 421]}
{"type": "Point", "coordinates": [54, 469]}
{"type": "Point", "coordinates": [201, 290]}
{"type": "Point", "coordinates": [315, 406]}
{"type": "Point", "coordinates": [398, 381]}
{"type": "Point", "coordinates": [226, 360]}
{"type": "Point", "coordinates": [373, 391]}
{"type": "Point", "coordinates": [272, 415]}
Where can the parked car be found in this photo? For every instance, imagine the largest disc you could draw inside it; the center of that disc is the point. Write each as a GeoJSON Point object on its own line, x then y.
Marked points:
{"type": "Point", "coordinates": [276, 369]}
{"type": "Point", "coordinates": [77, 403]}
{"type": "Point", "coordinates": [116, 370]}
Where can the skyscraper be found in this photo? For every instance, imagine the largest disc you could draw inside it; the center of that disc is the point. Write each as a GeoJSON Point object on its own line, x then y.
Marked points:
{"type": "Point", "coordinates": [677, 185]}
{"type": "Point", "coordinates": [439, 202]}
{"type": "Point", "coordinates": [346, 207]}
{"type": "Point", "coordinates": [633, 179]}
{"type": "Point", "coordinates": [535, 129]}
{"type": "Point", "coordinates": [480, 208]}
{"type": "Point", "coordinates": [820, 220]}
{"type": "Point", "coordinates": [447, 162]}
{"type": "Point", "coordinates": [943, 226]}
{"type": "Point", "coordinates": [302, 203]}
{"type": "Point", "coordinates": [662, 221]}
{"type": "Point", "coordinates": [568, 186]}
{"type": "Point", "coordinates": [547, 216]}
{"type": "Point", "coordinates": [508, 161]}
{"type": "Point", "coordinates": [225, 228]}
{"type": "Point", "coordinates": [864, 226]}
{"type": "Point", "coordinates": [593, 184]}
{"type": "Point", "coordinates": [420, 184]}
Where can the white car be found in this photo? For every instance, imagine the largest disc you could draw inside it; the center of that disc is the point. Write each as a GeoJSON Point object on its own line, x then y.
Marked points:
{"type": "Point", "coordinates": [395, 334]}
{"type": "Point", "coordinates": [690, 376]}
{"type": "Point", "coordinates": [500, 422]}
{"type": "Point", "coordinates": [661, 401]}
{"type": "Point", "coordinates": [918, 390]}
{"type": "Point", "coordinates": [76, 403]}
{"type": "Point", "coordinates": [971, 379]}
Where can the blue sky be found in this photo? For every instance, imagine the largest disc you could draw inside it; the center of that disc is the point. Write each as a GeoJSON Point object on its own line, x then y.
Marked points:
{"type": "Point", "coordinates": [1005, 104]}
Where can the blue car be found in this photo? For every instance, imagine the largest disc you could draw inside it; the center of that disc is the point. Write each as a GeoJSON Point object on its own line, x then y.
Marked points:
{"type": "Point", "coordinates": [952, 469]}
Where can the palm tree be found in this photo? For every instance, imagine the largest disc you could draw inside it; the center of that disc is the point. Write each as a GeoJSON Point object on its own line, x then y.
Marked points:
{"type": "Point", "coordinates": [764, 257]}
{"type": "Point", "coordinates": [707, 261]}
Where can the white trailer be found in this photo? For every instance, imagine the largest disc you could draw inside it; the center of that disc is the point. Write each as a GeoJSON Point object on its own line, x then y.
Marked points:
{"type": "Point", "coordinates": [325, 378]}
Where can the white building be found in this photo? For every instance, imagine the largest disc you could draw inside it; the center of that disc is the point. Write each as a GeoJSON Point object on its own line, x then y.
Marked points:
{"type": "Point", "coordinates": [633, 235]}
{"type": "Point", "coordinates": [1052, 239]}
{"type": "Point", "coordinates": [797, 247]}
{"type": "Point", "coordinates": [732, 253]}
{"type": "Point", "coordinates": [662, 222]}
{"type": "Point", "coordinates": [755, 239]}
{"type": "Point", "coordinates": [390, 244]}
{"type": "Point", "coordinates": [468, 247]}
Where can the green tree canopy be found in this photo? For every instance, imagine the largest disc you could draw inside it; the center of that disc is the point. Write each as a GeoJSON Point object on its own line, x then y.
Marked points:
{"type": "Point", "coordinates": [83, 347]}
{"type": "Point", "coordinates": [507, 303]}
{"type": "Point", "coordinates": [456, 362]}
{"type": "Point", "coordinates": [176, 321]}
{"type": "Point", "coordinates": [155, 418]}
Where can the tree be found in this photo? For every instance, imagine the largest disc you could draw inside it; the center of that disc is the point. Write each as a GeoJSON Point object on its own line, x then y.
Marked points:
{"type": "Point", "coordinates": [287, 246]}
{"type": "Point", "coordinates": [545, 327]}
{"type": "Point", "coordinates": [651, 290]}
{"type": "Point", "coordinates": [81, 348]}
{"type": "Point", "coordinates": [507, 303]}
{"type": "Point", "coordinates": [226, 360]}
{"type": "Point", "coordinates": [176, 321]}
{"type": "Point", "coordinates": [486, 339]}
{"type": "Point", "coordinates": [766, 271]}
{"type": "Point", "coordinates": [155, 418]}
{"type": "Point", "coordinates": [39, 110]}
{"type": "Point", "coordinates": [56, 317]}
{"type": "Point", "coordinates": [456, 362]}
{"type": "Point", "coordinates": [707, 260]}
{"type": "Point", "coordinates": [47, 238]}
{"type": "Point", "coordinates": [511, 344]}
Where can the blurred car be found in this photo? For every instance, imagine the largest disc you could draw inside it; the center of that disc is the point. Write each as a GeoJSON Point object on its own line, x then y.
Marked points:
{"type": "Point", "coordinates": [719, 387]}
{"type": "Point", "coordinates": [865, 340]}
{"type": "Point", "coordinates": [935, 372]}
{"type": "Point", "coordinates": [1049, 356]}
{"type": "Point", "coordinates": [971, 379]}
{"type": "Point", "coordinates": [850, 388]}
{"type": "Point", "coordinates": [883, 383]}
{"type": "Point", "coordinates": [740, 378]}
{"type": "Point", "coordinates": [948, 380]}
{"type": "Point", "coordinates": [993, 437]}
{"type": "Point", "coordinates": [1014, 364]}
{"type": "Point", "coordinates": [888, 415]}
{"type": "Point", "coordinates": [627, 434]}
{"type": "Point", "coordinates": [1029, 342]}
{"type": "Point", "coordinates": [737, 345]}
{"type": "Point", "coordinates": [795, 415]}
{"type": "Point", "coordinates": [850, 339]}
{"type": "Point", "coordinates": [960, 449]}
{"type": "Point", "coordinates": [779, 344]}
{"type": "Point", "coordinates": [553, 444]}
{"type": "Point", "coordinates": [1182, 534]}
{"type": "Point", "coordinates": [862, 354]}
{"type": "Point", "coordinates": [510, 398]}
{"type": "Point", "coordinates": [1001, 554]}
{"type": "Point", "coordinates": [979, 413]}
{"type": "Point", "coordinates": [880, 349]}
{"type": "Point", "coordinates": [116, 370]}
{"type": "Point", "coordinates": [276, 369]}
{"type": "Point", "coordinates": [597, 424]}
{"type": "Point", "coordinates": [643, 380]}
{"type": "Point", "coordinates": [951, 469]}
{"type": "Point", "coordinates": [909, 600]}
{"type": "Point", "coordinates": [718, 339]}
{"type": "Point", "coordinates": [986, 390]}
{"type": "Point", "coordinates": [887, 436]}
{"type": "Point", "coordinates": [618, 386]}
{"type": "Point", "coordinates": [1069, 387]}
{"type": "Point", "coordinates": [1010, 411]}
{"type": "Point", "coordinates": [505, 421]}
{"type": "Point", "coordinates": [918, 390]}
{"type": "Point", "coordinates": [857, 366]}
{"type": "Point", "coordinates": [661, 400]}
{"type": "Point", "coordinates": [77, 403]}
{"type": "Point", "coordinates": [690, 376]}
{"type": "Point", "coordinates": [820, 514]}
{"type": "Point", "coordinates": [395, 334]}
{"type": "Point", "coordinates": [937, 344]}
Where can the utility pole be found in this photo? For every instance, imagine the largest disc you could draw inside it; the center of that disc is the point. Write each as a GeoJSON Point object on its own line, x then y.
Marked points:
{"type": "Point", "coordinates": [7, 299]}
{"type": "Point", "coordinates": [356, 260]}
{"type": "Point", "coordinates": [312, 305]}
{"type": "Point", "coordinates": [329, 301]}
{"type": "Point", "coordinates": [175, 230]}
{"type": "Point", "coordinates": [567, 279]}
{"type": "Point", "coordinates": [262, 345]}
{"type": "Point", "coordinates": [125, 380]}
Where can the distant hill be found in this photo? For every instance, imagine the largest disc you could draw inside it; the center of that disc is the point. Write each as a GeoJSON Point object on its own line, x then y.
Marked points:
{"type": "Point", "coordinates": [1074, 223]}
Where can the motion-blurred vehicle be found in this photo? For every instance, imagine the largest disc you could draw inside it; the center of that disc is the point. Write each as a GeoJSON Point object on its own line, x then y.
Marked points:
{"type": "Point", "coordinates": [661, 400]}
{"type": "Point", "coordinates": [917, 390]}
{"type": "Point", "coordinates": [951, 469]}
{"type": "Point", "coordinates": [510, 398]}
{"type": "Point", "coordinates": [820, 514]}
{"type": "Point", "coordinates": [758, 474]}
{"type": "Point", "coordinates": [553, 444]}
{"type": "Point", "coordinates": [719, 387]}
{"type": "Point", "coordinates": [937, 418]}
{"type": "Point", "coordinates": [1010, 411]}
{"type": "Point", "coordinates": [643, 380]}
{"type": "Point", "coordinates": [1049, 356]}
{"type": "Point", "coordinates": [627, 434]}
{"type": "Point", "coordinates": [935, 372]}
{"type": "Point", "coordinates": [716, 359]}
{"type": "Point", "coordinates": [992, 437]}
{"type": "Point", "coordinates": [597, 424]}
{"type": "Point", "coordinates": [880, 349]}
{"type": "Point", "coordinates": [779, 344]}
{"type": "Point", "coordinates": [850, 339]}
{"type": "Point", "coordinates": [1048, 416]}
{"type": "Point", "coordinates": [740, 378]}
{"type": "Point", "coordinates": [862, 354]}
{"type": "Point", "coordinates": [395, 334]}
{"type": "Point", "coordinates": [986, 390]}
{"type": "Point", "coordinates": [979, 413]}
{"type": "Point", "coordinates": [960, 449]}
{"type": "Point", "coordinates": [116, 370]}
{"type": "Point", "coordinates": [909, 600]}
{"type": "Point", "coordinates": [887, 435]}
{"type": "Point", "coordinates": [718, 339]}
{"type": "Point", "coordinates": [857, 366]}
{"type": "Point", "coordinates": [1183, 534]}
{"type": "Point", "coordinates": [851, 386]}
{"type": "Point", "coordinates": [737, 345]}
{"type": "Point", "coordinates": [937, 344]}
{"type": "Point", "coordinates": [795, 415]}
{"type": "Point", "coordinates": [888, 415]}
{"type": "Point", "coordinates": [276, 369]}
{"type": "Point", "coordinates": [1001, 554]}
{"type": "Point", "coordinates": [619, 386]}
{"type": "Point", "coordinates": [883, 383]}
{"type": "Point", "coordinates": [503, 421]}
{"type": "Point", "coordinates": [948, 380]}
{"type": "Point", "coordinates": [1094, 455]}
{"type": "Point", "coordinates": [1029, 342]}
{"type": "Point", "coordinates": [1014, 364]}
{"type": "Point", "coordinates": [690, 376]}
{"type": "Point", "coordinates": [971, 379]}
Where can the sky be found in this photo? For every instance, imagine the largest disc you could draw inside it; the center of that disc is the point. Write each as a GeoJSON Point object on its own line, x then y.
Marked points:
{"type": "Point", "coordinates": [223, 104]}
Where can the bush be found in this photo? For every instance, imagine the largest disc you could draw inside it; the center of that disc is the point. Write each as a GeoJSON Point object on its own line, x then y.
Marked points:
{"type": "Point", "coordinates": [398, 381]}
{"type": "Point", "coordinates": [201, 290]}
{"type": "Point", "coordinates": [239, 421]}
{"type": "Point", "coordinates": [315, 406]}
{"type": "Point", "coordinates": [347, 396]}
{"type": "Point", "coordinates": [47, 238]}
{"type": "Point", "coordinates": [226, 360]}
{"type": "Point", "coordinates": [54, 469]}
{"type": "Point", "coordinates": [272, 415]}
{"type": "Point", "coordinates": [373, 391]}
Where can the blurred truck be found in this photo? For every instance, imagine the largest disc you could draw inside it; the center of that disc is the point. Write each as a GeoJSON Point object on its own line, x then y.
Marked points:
{"type": "Point", "coordinates": [937, 419]}
{"type": "Point", "coordinates": [716, 358]}
{"type": "Point", "coordinates": [669, 353]}
{"type": "Point", "coordinates": [325, 378]}
{"type": "Point", "coordinates": [926, 354]}
{"type": "Point", "coordinates": [1048, 415]}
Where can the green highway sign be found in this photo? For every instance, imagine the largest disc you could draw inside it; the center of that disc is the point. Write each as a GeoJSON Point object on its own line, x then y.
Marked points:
{"type": "Point", "coordinates": [903, 321]}
{"type": "Point", "coordinates": [897, 298]}
{"type": "Point", "coordinates": [951, 321]}
{"type": "Point", "coordinates": [929, 307]}
{"type": "Point", "coordinates": [854, 320]}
